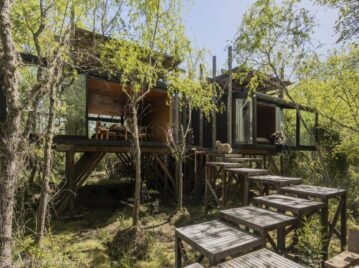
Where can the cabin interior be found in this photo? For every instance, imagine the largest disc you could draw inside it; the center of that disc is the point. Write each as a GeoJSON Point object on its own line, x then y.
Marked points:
{"type": "Point", "coordinates": [96, 109]}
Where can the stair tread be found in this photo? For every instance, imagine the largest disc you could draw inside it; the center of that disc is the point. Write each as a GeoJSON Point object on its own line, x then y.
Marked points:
{"type": "Point", "coordinates": [217, 239]}
{"type": "Point", "coordinates": [276, 180]}
{"type": "Point", "coordinates": [289, 203]}
{"type": "Point", "coordinates": [256, 218]}
{"type": "Point", "coordinates": [314, 191]}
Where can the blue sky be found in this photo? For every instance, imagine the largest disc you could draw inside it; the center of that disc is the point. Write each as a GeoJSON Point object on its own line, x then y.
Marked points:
{"type": "Point", "coordinates": [212, 24]}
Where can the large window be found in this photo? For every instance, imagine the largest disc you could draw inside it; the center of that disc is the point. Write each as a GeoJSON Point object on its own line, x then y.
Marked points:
{"type": "Point", "coordinates": [73, 108]}
{"type": "Point", "coordinates": [307, 130]}
{"type": "Point", "coordinates": [289, 126]}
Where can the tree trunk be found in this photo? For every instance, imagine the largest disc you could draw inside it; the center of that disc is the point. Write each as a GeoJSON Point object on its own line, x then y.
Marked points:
{"type": "Point", "coordinates": [180, 183]}
{"type": "Point", "coordinates": [45, 188]}
{"type": "Point", "coordinates": [10, 166]}
{"type": "Point", "coordinates": [137, 160]}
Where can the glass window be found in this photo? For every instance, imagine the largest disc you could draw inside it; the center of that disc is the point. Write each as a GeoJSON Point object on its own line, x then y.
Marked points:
{"type": "Point", "coordinates": [307, 130]}
{"type": "Point", "coordinates": [73, 108]}
{"type": "Point", "coordinates": [243, 121]}
{"type": "Point", "coordinates": [289, 125]}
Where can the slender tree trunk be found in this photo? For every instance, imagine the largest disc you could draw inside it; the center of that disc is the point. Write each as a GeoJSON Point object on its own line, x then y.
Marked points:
{"type": "Point", "coordinates": [137, 155]}
{"type": "Point", "coordinates": [179, 164]}
{"type": "Point", "coordinates": [9, 135]}
{"type": "Point", "coordinates": [45, 188]}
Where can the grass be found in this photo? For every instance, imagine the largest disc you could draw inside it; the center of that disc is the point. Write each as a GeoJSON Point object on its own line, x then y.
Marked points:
{"type": "Point", "coordinates": [89, 241]}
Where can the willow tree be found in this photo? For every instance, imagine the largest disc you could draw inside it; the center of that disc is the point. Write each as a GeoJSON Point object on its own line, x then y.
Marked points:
{"type": "Point", "coordinates": [40, 28]}
{"type": "Point", "coordinates": [192, 91]}
{"type": "Point", "coordinates": [139, 59]}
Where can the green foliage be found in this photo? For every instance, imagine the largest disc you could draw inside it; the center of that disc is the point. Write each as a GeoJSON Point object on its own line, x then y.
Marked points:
{"type": "Point", "coordinates": [347, 25]}
{"type": "Point", "coordinates": [331, 87]}
{"type": "Point", "coordinates": [272, 38]}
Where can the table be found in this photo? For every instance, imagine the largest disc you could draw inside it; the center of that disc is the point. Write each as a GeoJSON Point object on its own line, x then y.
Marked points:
{"type": "Point", "coordinates": [298, 206]}
{"type": "Point", "coordinates": [261, 221]}
{"type": "Point", "coordinates": [276, 181]}
{"type": "Point", "coordinates": [324, 194]}
{"type": "Point", "coordinates": [216, 170]}
{"type": "Point", "coordinates": [244, 174]}
{"type": "Point", "coordinates": [259, 259]}
{"type": "Point", "coordinates": [215, 240]}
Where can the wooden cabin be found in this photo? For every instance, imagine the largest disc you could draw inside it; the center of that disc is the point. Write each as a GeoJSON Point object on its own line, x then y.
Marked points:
{"type": "Point", "coordinates": [256, 119]}
{"type": "Point", "coordinates": [95, 115]}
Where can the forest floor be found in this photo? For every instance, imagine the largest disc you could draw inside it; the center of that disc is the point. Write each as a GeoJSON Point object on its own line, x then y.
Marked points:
{"type": "Point", "coordinates": [90, 240]}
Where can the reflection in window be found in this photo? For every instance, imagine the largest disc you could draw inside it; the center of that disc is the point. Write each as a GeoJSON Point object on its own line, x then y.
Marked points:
{"type": "Point", "coordinates": [289, 126]}
{"type": "Point", "coordinates": [73, 113]}
{"type": "Point", "coordinates": [243, 121]}
{"type": "Point", "coordinates": [307, 136]}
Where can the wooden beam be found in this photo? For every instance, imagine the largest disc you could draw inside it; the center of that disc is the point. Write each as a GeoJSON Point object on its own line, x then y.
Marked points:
{"type": "Point", "coordinates": [201, 114]}
{"type": "Point", "coordinates": [214, 115]}
{"type": "Point", "coordinates": [165, 169]}
{"type": "Point", "coordinates": [229, 98]}
{"type": "Point", "coordinates": [297, 130]}
{"type": "Point", "coordinates": [70, 172]}
{"type": "Point", "coordinates": [254, 119]}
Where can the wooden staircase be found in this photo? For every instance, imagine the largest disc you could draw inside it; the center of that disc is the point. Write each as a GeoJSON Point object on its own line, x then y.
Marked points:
{"type": "Point", "coordinates": [82, 169]}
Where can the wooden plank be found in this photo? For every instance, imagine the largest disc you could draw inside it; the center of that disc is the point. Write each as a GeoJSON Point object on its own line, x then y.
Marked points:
{"type": "Point", "coordinates": [298, 206]}
{"type": "Point", "coordinates": [258, 219]}
{"type": "Point", "coordinates": [353, 243]}
{"type": "Point", "coordinates": [343, 260]}
{"type": "Point", "coordinates": [247, 171]}
{"type": "Point", "coordinates": [217, 240]}
{"type": "Point", "coordinates": [275, 180]}
{"type": "Point", "coordinates": [259, 259]}
{"type": "Point", "coordinates": [224, 164]}
{"type": "Point", "coordinates": [194, 265]}
{"type": "Point", "coordinates": [313, 191]}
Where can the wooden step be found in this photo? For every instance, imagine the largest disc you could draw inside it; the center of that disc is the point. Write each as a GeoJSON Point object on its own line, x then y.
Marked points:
{"type": "Point", "coordinates": [312, 191]}
{"type": "Point", "coordinates": [194, 265]}
{"type": "Point", "coordinates": [259, 259]}
{"type": "Point", "coordinates": [277, 181]}
{"type": "Point", "coordinates": [217, 239]}
{"type": "Point", "coordinates": [258, 219]}
{"type": "Point", "coordinates": [298, 206]}
{"type": "Point", "coordinates": [242, 160]}
{"type": "Point", "coordinates": [343, 260]}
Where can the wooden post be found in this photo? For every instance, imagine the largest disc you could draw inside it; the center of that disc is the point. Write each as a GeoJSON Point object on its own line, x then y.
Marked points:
{"type": "Point", "coordinates": [178, 255]}
{"type": "Point", "coordinates": [254, 119]}
{"type": "Point", "coordinates": [343, 222]}
{"type": "Point", "coordinates": [297, 133]}
{"type": "Point", "coordinates": [229, 98]}
{"type": "Point", "coordinates": [214, 115]}
{"type": "Point", "coordinates": [325, 230]}
{"type": "Point", "coordinates": [70, 171]}
{"type": "Point", "coordinates": [201, 115]}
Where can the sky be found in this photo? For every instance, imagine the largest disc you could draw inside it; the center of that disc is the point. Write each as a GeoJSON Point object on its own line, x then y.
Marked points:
{"type": "Point", "coordinates": [212, 24]}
